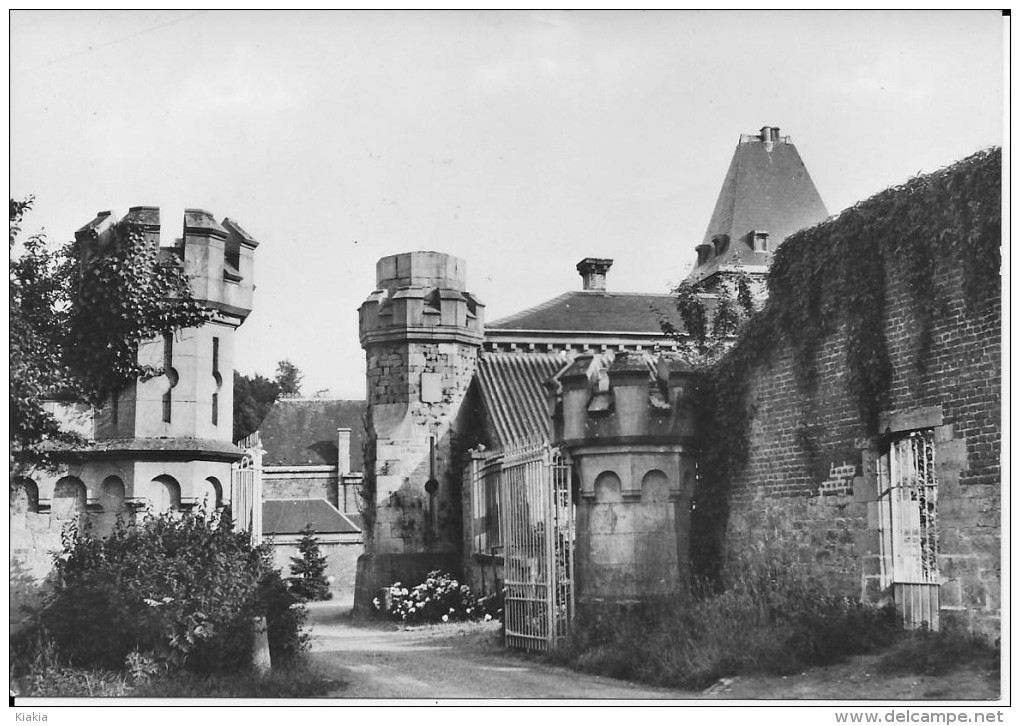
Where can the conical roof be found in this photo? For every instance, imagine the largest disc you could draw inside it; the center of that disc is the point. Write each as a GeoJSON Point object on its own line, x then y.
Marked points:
{"type": "Point", "coordinates": [767, 189]}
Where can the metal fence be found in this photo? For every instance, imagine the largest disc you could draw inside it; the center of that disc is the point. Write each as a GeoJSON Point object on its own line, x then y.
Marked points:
{"type": "Point", "coordinates": [246, 488]}
{"type": "Point", "coordinates": [537, 531]}
{"type": "Point", "coordinates": [909, 511]}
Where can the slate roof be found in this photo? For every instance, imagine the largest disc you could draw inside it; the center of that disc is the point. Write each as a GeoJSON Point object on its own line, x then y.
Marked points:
{"type": "Point", "coordinates": [767, 187]}
{"type": "Point", "coordinates": [511, 384]}
{"type": "Point", "coordinates": [302, 431]}
{"type": "Point", "coordinates": [594, 311]}
{"type": "Point", "coordinates": [290, 516]}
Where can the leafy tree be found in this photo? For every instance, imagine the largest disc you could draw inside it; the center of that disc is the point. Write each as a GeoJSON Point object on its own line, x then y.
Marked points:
{"type": "Point", "coordinates": [36, 329]}
{"type": "Point", "coordinates": [78, 313]}
{"type": "Point", "coordinates": [308, 581]}
{"type": "Point", "coordinates": [253, 398]}
{"type": "Point", "coordinates": [288, 378]}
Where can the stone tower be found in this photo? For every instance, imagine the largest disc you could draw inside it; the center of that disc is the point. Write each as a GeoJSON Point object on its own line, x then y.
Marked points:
{"type": "Point", "coordinates": [626, 420]}
{"type": "Point", "coordinates": [166, 442]}
{"type": "Point", "coordinates": [766, 196]}
{"type": "Point", "coordinates": [421, 332]}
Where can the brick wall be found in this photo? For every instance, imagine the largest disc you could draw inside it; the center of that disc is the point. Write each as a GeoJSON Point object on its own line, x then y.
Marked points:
{"type": "Point", "coordinates": [810, 477]}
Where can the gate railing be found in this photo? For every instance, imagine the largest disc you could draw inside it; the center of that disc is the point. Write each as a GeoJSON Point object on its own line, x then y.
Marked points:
{"type": "Point", "coordinates": [909, 506]}
{"type": "Point", "coordinates": [246, 488]}
{"type": "Point", "coordinates": [537, 530]}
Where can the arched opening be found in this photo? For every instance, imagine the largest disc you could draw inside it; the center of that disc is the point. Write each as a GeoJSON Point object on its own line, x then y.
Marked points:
{"type": "Point", "coordinates": [24, 496]}
{"type": "Point", "coordinates": [210, 494]}
{"type": "Point", "coordinates": [164, 494]}
{"type": "Point", "coordinates": [69, 498]}
{"type": "Point", "coordinates": [654, 487]}
{"type": "Point", "coordinates": [607, 487]}
{"type": "Point", "coordinates": [111, 499]}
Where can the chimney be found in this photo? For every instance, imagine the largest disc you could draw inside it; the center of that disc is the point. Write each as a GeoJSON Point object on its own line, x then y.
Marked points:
{"type": "Point", "coordinates": [593, 271]}
{"type": "Point", "coordinates": [343, 451]}
{"type": "Point", "coordinates": [770, 133]}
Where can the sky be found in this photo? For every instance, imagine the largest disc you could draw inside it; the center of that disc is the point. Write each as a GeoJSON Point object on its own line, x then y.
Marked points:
{"type": "Point", "coordinates": [521, 141]}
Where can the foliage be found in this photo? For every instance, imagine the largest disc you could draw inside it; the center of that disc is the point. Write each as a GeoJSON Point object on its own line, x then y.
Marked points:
{"type": "Point", "coordinates": [308, 572]}
{"type": "Point", "coordinates": [288, 378]}
{"type": "Point", "coordinates": [924, 652]}
{"type": "Point", "coordinates": [183, 589]}
{"type": "Point", "coordinates": [767, 619]}
{"type": "Point", "coordinates": [832, 278]}
{"type": "Point", "coordinates": [36, 292]}
{"type": "Point", "coordinates": [285, 619]}
{"type": "Point", "coordinates": [367, 488]}
{"type": "Point", "coordinates": [122, 292]}
{"type": "Point", "coordinates": [253, 398]}
{"type": "Point", "coordinates": [37, 670]}
{"type": "Point", "coordinates": [439, 599]}
{"type": "Point", "coordinates": [78, 314]}
{"type": "Point", "coordinates": [710, 319]}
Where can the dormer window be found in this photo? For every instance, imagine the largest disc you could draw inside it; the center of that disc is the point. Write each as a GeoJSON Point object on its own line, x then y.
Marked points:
{"type": "Point", "coordinates": [232, 261]}
{"type": "Point", "coordinates": [759, 240]}
{"type": "Point", "coordinates": [720, 242]}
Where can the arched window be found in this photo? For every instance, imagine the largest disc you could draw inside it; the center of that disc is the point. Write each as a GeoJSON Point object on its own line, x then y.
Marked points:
{"type": "Point", "coordinates": [210, 492]}
{"type": "Point", "coordinates": [654, 487]}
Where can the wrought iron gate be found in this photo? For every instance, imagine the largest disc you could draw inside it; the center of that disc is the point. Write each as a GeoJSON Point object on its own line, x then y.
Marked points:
{"type": "Point", "coordinates": [246, 488]}
{"type": "Point", "coordinates": [910, 518]}
{"type": "Point", "coordinates": [537, 525]}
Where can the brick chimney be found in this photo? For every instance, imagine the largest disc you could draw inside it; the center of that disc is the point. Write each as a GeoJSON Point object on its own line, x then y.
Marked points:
{"type": "Point", "coordinates": [593, 272]}
{"type": "Point", "coordinates": [770, 133]}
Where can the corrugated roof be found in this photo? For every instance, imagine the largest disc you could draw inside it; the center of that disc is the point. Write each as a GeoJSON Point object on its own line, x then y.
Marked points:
{"type": "Point", "coordinates": [290, 516]}
{"type": "Point", "coordinates": [303, 431]}
{"type": "Point", "coordinates": [512, 390]}
{"type": "Point", "coordinates": [595, 311]}
{"type": "Point", "coordinates": [767, 188]}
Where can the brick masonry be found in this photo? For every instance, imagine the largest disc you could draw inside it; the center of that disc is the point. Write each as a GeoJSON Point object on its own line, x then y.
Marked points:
{"type": "Point", "coordinates": [810, 477]}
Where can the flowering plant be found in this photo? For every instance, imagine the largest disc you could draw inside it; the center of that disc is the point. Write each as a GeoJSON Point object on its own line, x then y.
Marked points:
{"type": "Point", "coordinates": [441, 598]}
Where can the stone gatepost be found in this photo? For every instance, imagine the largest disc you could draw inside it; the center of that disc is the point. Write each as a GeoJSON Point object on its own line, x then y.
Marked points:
{"type": "Point", "coordinates": [421, 332]}
{"type": "Point", "coordinates": [626, 421]}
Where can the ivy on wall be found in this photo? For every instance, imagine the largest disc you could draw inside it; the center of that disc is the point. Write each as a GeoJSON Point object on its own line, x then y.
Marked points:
{"type": "Point", "coordinates": [833, 278]}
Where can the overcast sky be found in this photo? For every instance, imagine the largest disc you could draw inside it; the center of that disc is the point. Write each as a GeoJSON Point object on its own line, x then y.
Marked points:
{"type": "Point", "coordinates": [520, 141]}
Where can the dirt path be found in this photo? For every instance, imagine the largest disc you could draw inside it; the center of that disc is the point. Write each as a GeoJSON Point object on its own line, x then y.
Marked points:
{"type": "Point", "coordinates": [467, 660]}
{"type": "Point", "coordinates": [380, 660]}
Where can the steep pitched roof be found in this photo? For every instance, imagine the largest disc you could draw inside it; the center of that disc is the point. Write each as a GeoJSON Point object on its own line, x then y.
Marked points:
{"type": "Point", "coordinates": [303, 431]}
{"type": "Point", "coordinates": [594, 311]}
{"type": "Point", "coordinates": [290, 516]}
{"type": "Point", "coordinates": [767, 188]}
{"type": "Point", "coordinates": [511, 384]}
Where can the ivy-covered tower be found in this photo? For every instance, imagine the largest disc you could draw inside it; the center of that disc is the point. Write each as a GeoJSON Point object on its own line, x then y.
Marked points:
{"type": "Point", "coordinates": [421, 331]}
{"type": "Point", "coordinates": [165, 442]}
{"type": "Point", "coordinates": [766, 196]}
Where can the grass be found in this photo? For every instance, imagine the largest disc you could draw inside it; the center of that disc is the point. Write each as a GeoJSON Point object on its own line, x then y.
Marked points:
{"type": "Point", "coordinates": [766, 621]}
{"type": "Point", "coordinates": [37, 670]}
{"type": "Point", "coordinates": [923, 652]}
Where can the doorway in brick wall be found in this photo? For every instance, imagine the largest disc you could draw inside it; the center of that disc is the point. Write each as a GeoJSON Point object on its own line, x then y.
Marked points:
{"type": "Point", "coordinates": [908, 507]}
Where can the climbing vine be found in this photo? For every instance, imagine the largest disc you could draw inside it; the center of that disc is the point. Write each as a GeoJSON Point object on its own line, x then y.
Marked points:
{"type": "Point", "coordinates": [832, 280]}
{"type": "Point", "coordinates": [122, 292]}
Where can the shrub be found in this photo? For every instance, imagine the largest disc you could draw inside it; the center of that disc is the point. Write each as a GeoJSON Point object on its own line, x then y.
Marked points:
{"type": "Point", "coordinates": [181, 589]}
{"type": "Point", "coordinates": [440, 598]}
{"type": "Point", "coordinates": [923, 652]}
{"type": "Point", "coordinates": [766, 619]}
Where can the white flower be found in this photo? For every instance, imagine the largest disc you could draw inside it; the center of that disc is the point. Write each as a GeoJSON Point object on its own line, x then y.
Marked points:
{"type": "Point", "coordinates": [487, 617]}
{"type": "Point", "coordinates": [168, 599]}
{"type": "Point", "coordinates": [446, 618]}
{"type": "Point", "coordinates": [452, 610]}
{"type": "Point", "coordinates": [152, 603]}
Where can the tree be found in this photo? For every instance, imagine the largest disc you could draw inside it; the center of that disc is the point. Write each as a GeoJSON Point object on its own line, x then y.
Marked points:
{"type": "Point", "coordinates": [78, 313]}
{"type": "Point", "coordinates": [288, 378]}
{"type": "Point", "coordinates": [253, 398]}
{"type": "Point", "coordinates": [308, 581]}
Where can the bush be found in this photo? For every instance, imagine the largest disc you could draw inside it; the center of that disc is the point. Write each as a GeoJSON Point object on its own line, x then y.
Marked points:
{"type": "Point", "coordinates": [440, 598]}
{"type": "Point", "coordinates": [181, 589]}
{"type": "Point", "coordinates": [923, 652]}
{"type": "Point", "coordinates": [766, 619]}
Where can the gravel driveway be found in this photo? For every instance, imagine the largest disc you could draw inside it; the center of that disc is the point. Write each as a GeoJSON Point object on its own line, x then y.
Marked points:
{"type": "Point", "coordinates": [457, 660]}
